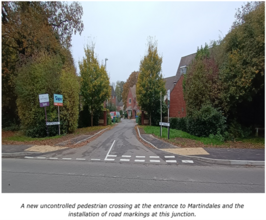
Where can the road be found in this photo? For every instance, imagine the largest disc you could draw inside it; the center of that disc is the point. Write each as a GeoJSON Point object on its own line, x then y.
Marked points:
{"type": "Point", "coordinates": [119, 144]}
{"type": "Point", "coordinates": [117, 162]}
{"type": "Point", "coordinates": [20, 175]}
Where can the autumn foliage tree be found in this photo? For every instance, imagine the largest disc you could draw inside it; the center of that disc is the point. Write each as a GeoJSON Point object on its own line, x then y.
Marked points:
{"type": "Point", "coordinates": [150, 81]}
{"type": "Point", "coordinates": [201, 82]}
{"type": "Point", "coordinates": [131, 81]}
{"type": "Point", "coordinates": [119, 90]}
{"type": "Point", "coordinates": [243, 70]}
{"type": "Point", "coordinates": [29, 28]}
{"type": "Point", "coordinates": [95, 82]}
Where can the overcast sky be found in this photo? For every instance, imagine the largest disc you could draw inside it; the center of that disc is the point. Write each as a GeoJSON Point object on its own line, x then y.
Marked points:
{"type": "Point", "coordinates": [120, 31]}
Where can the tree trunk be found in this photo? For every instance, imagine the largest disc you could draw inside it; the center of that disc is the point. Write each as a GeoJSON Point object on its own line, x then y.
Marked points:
{"type": "Point", "coordinates": [150, 119]}
{"type": "Point", "coordinates": [91, 119]}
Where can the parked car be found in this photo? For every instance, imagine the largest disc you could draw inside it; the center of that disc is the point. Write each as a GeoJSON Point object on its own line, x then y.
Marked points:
{"type": "Point", "coordinates": [114, 115]}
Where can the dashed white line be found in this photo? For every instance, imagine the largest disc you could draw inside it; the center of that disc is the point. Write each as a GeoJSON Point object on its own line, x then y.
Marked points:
{"type": "Point", "coordinates": [187, 161]}
{"type": "Point", "coordinates": [155, 161]}
{"type": "Point", "coordinates": [53, 158]}
{"type": "Point", "coordinates": [96, 159]}
{"type": "Point", "coordinates": [109, 159]}
{"type": "Point", "coordinates": [41, 157]}
{"type": "Point", "coordinates": [112, 155]}
{"type": "Point", "coordinates": [66, 158]}
{"type": "Point", "coordinates": [80, 159]}
{"type": "Point", "coordinates": [140, 156]}
{"type": "Point", "coordinates": [139, 160]}
{"type": "Point", "coordinates": [169, 156]}
{"type": "Point", "coordinates": [28, 157]}
{"type": "Point", "coordinates": [126, 155]}
{"type": "Point", "coordinates": [124, 159]}
{"type": "Point", "coordinates": [170, 161]}
{"type": "Point", "coordinates": [154, 157]}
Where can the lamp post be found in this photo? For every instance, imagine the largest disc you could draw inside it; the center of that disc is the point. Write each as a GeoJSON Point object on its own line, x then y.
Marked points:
{"type": "Point", "coordinates": [105, 63]}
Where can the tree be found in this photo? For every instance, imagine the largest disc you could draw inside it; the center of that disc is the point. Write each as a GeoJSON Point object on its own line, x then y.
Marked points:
{"type": "Point", "coordinates": [243, 70]}
{"type": "Point", "coordinates": [31, 27]}
{"type": "Point", "coordinates": [95, 87]}
{"type": "Point", "coordinates": [131, 81]}
{"type": "Point", "coordinates": [70, 89]}
{"type": "Point", "coordinates": [201, 83]}
{"type": "Point", "coordinates": [38, 75]}
{"type": "Point", "coordinates": [150, 82]}
{"type": "Point", "coordinates": [119, 90]}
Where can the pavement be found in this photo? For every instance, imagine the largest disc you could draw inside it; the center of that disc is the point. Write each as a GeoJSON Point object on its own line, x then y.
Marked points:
{"type": "Point", "coordinates": [224, 156]}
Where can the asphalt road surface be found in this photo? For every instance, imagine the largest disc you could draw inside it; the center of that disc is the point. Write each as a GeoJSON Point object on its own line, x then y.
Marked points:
{"type": "Point", "coordinates": [116, 162]}
{"type": "Point", "coordinates": [57, 176]}
{"type": "Point", "coordinates": [117, 145]}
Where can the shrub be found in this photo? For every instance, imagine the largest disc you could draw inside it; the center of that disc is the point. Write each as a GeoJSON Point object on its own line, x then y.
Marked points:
{"type": "Point", "coordinates": [182, 124]}
{"type": "Point", "coordinates": [173, 123]}
{"type": "Point", "coordinates": [70, 90]}
{"type": "Point", "coordinates": [109, 119]}
{"type": "Point", "coordinates": [206, 121]}
{"type": "Point", "coordinates": [39, 75]}
{"type": "Point", "coordinates": [85, 117]}
{"type": "Point", "coordinates": [236, 130]}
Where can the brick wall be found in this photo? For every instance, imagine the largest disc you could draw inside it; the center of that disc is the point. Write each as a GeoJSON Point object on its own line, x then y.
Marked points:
{"type": "Point", "coordinates": [177, 104]}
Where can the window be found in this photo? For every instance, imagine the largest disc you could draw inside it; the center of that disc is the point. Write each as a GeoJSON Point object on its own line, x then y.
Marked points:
{"type": "Point", "coordinates": [183, 70]}
{"type": "Point", "coordinates": [129, 101]}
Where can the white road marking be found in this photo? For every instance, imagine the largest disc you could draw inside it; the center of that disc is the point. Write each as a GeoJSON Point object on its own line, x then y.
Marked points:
{"type": "Point", "coordinates": [169, 156]}
{"type": "Point", "coordinates": [187, 161]}
{"type": "Point", "coordinates": [124, 159]}
{"type": "Point", "coordinates": [41, 157]}
{"type": "Point", "coordinates": [155, 161]}
{"type": "Point", "coordinates": [140, 156]}
{"type": "Point", "coordinates": [28, 157]}
{"type": "Point", "coordinates": [126, 155]}
{"type": "Point", "coordinates": [171, 161]}
{"type": "Point", "coordinates": [53, 158]}
{"type": "Point", "coordinates": [109, 150]}
{"type": "Point", "coordinates": [109, 159]}
{"type": "Point", "coordinates": [66, 158]}
{"type": "Point", "coordinates": [139, 160]}
{"type": "Point", "coordinates": [95, 159]}
{"type": "Point", "coordinates": [154, 157]}
{"type": "Point", "coordinates": [112, 155]}
{"type": "Point", "coordinates": [80, 159]}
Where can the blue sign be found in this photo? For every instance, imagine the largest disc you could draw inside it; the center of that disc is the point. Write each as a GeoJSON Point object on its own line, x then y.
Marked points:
{"type": "Point", "coordinates": [58, 99]}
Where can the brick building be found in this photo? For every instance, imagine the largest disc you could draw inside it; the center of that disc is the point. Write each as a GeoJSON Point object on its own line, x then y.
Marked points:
{"type": "Point", "coordinates": [175, 84]}
{"type": "Point", "coordinates": [132, 104]}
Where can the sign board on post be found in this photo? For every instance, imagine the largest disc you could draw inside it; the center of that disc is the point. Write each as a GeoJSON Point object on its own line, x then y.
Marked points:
{"type": "Point", "coordinates": [53, 123]}
{"type": "Point", "coordinates": [44, 100]}
{"type": "Point", "coordinates": [58, 100]}
{"type": "Point", "coordinates": [164, 124]}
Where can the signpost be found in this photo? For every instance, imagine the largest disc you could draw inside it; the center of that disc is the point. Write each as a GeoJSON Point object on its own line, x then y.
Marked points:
{"type": "Point", "coordinates": [168, 98]}
{"type": "Point", "coordinates": [161, 113]}
{"type": "Point", "coordinates": [58, 101]}
{"type": "Point", "coordinates": [166, 124]}
{"type": "Point", "coordinates": [44, 101]}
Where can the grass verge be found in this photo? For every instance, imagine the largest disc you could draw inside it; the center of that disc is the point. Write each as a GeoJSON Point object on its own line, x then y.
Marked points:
{"type": "Point", "coordinates": [20, 137]}
{"type": "Point", "coordinates": [179, 134]}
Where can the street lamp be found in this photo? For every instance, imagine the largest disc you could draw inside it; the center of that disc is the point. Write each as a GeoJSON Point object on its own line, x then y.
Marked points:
{"type": "Point", "coordinates": [105, 63]}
